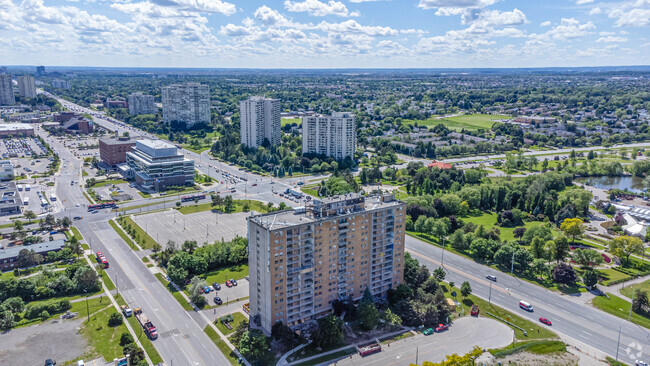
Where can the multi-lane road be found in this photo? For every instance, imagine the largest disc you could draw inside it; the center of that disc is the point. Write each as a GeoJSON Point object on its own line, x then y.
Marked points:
{"type": "Point", "coordinates": [183, 341]}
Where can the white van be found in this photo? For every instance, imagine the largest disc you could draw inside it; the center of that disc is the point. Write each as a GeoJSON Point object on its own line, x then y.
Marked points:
{"type": "Point", "coordinates": [80, 363]}
{"type": "Point", "coordinates": [526, 306]}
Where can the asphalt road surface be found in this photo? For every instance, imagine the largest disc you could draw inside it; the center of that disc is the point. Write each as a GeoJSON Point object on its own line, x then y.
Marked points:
{"type": "Point", "coordinates": [578, 321]}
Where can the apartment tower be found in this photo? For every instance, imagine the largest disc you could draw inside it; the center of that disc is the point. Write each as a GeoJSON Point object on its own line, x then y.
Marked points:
{"type": "Point", "coordinates": [6, 90]}
{"type": "Point", "coordinates": [334, 136]}
{"type": "Point", "coordinates": [189, 103]}
{"type": "Point", "coordinates": [141, 104]}
{"type": "Point", "coordinates": [260, 119]}
{"type": "Point", "coordinates": [302, 260]}
{"type": "Point", "coordinates": [26, 86]}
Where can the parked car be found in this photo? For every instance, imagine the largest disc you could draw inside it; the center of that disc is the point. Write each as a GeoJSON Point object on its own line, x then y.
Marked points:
{"type": "Point", "coordinates": [491, 277]}
{"type": "Point", "coordinates": [50, 362]}
{"type": "Point", "coordinates": [216, 286]}
{"type": "Point", "coordinates": [234, 282]}
{"type": "Point", "coordinates": [640, 363]}
{"type": "Point", "coordinates": [441, 327]}
{"type": "Point", "coordinates": [228, 283]}
{"type": "Point", "coordinates": [525, 305]}
{"type": "Point", "coordinates": [206, 289]}
{"type": "Point", "coordinates": [201, 290]}
{"type": "Point", "coordinates": [217, 300]}
{"type": "Point", "coordinates": [545, 321]}
{"type": "Point", "coordinates": [428, 331]}
{"type": "Point", "coordinates": [78, 218]}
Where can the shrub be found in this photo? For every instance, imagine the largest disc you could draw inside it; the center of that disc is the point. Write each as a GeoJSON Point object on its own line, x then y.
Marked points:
{"type": "Point", "coordinates": [115, 319]}
{"type": "Point", "coordinates": [125, 339]}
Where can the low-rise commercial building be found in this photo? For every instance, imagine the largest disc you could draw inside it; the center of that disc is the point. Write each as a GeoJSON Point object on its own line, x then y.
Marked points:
{"type": "Point", "coordinates": [10, 202]}
{"type": "Point", "coordinates": [9, 256]}
{"type": "Point", "coordinates": [303, 260]}
{"type": "Point", "coordinates": [113, 151]}
{"type": "Point", "coordinates": [157, 165]}
{"type": "Point", "coordinates": [6, 170]}
{"type": "Point", "coordinates": [15, 130]}
{"type": "Point", "coordinates": [78, 125]}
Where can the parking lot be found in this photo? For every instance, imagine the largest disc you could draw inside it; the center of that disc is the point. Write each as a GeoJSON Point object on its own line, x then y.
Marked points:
{"type": "Point", "coordinates": [228, 293]}
{"type": "Point", "coordinates": [21, 147]}
{"type": "Point", "coordinates": [117, 192]}
{"type": "Point", "coordinates": [81, 146]}
{"type": "Point", "coordinates": [201, 227]}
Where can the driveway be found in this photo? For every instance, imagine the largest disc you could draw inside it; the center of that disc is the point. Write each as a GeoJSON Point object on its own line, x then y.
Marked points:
{"type": "Point", "coordinates": [462, 336]}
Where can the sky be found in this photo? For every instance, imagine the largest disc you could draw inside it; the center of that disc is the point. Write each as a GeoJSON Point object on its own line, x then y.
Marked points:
{"type": "Point", "coordinates": [325, 33]}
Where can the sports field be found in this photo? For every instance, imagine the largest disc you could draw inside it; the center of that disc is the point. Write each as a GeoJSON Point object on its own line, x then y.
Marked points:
{"type": "Point", "coordinates": [469, 122]}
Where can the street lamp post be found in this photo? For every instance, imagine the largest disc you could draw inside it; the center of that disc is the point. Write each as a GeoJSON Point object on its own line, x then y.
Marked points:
{"type": "Point", "coordinates": [618, 343]}
{"type": "Point", "coordinates": [417, 353]}
{"type": "Point", "coordinates": [512, 263]}
{"type": "Point", "coordinates": [630, 315]}
{"type": "Point", "coordinates": [490, 295]}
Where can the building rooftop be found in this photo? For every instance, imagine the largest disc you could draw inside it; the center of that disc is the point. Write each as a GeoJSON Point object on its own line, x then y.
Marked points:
{"type": "Point", "coordinates": [322, 209]}
{"type": "Point", "coordinates": [118, 141]}
{"type": "Point", "coordinates": [38, 248]}
{"type": "Point", "coordinates": [156, 144]}
{"type": "Point", "coordinates": [14, 127]}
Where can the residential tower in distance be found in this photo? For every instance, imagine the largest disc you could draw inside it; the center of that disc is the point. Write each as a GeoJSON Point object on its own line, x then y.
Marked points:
{"type": "Point", "coordinates": [6, 90]}
{"type": "Point", "coordinates": [303, 260]}
{"type": "Point", "coordinates": [188, 103]}
{"type": "Point", "coordinates": [334, 136]}
{"type": "Point", "coordinates": [141, 104]}
{"type": "Point", "coordinates": [26, 86]}
{"type": "Point", "coordinates": [60, 84]}
{"type": "Point", "coordinates": [260, 119]}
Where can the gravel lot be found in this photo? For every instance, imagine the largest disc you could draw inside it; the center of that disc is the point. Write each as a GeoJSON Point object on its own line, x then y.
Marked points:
{"type": "Point", "coordinates": [58, 340]}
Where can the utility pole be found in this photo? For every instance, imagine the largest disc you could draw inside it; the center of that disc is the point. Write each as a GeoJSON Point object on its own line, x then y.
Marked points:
{"type": "Point", "coordinates": [442, 261]}
{"type": "Point", "coordinates": [490, 295]}
{"type": "Point", "coordinates": [417, 353]}
{"type": "Point", "coordinates": [512, 264]}
{"type": "Point", "coordinates": [618, 343]}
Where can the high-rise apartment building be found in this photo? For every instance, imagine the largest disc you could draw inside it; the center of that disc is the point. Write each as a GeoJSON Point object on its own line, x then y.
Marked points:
{"type": "Point", "coordinates": [189, 103]}
{"type": "Point", "coordinates": [40, 70]}
{"type": "Point", "coordinates": [26, 86]}
{"type": "Point", "coordinates": [6, 90]}
{"type": "Point", "coordinates": [260, 119]}
{"type": "Point", "coordinates": [301, 261]}
{"type": "Point", "coordinates": [334, 136]}
{"type": "Point", "coordinates": [141, 104]}
{"type": "Point", "coordinates": [60, 84]}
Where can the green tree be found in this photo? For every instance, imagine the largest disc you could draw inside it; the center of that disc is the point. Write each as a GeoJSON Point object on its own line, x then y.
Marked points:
{"type": "Point", "coordinates": [177, 274]}
{"type": "Point", "coordinates": [195, 291]}
{"type": "Point", "coordinates": [587, 257]}
{"type": "Point", "coordinates": [590, 278]}
{"type": "Point", "coordinates": [465, 289]}
{"type": "Point", "coordinates": [86, 280]}
{"type": "Point", "coordinates": [391, 318]}
{"type": "Point", "coordinates": [329, 332]}
{"type": "Point", "coordinates": [538, 267]}
{"type": "Point", "coordinates": [126, 338]}
{"type": "Point", "coordinates": [115, 319]}
{"type": "Point", "coordinates": [537, 247]}
{"type": "Point", "coordinates": [14, 304]}
{"type": "Point", "coordinates": [229, 204]}
{"type": "Point", "coordinates": [253, 344]}
{"type": "Point", "coordinates": [30, 215]}
{"type": "Point", "coordinates": [439, 274]}
{"type": "Point", "coordinates": [6, 320]}
{"type": "Point", "coordinates": [367, 312]}
{"type": "Point", "coordinates": [640, 304]}
{"type": "Point", "coordinates": [156, 247]}
{"type": "Point", "coordinates": [625, 246]}
{"type": "Point", "coordinates": [572, 228]}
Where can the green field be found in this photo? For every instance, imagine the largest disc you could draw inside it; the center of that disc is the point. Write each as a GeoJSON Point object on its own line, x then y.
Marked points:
{"type": "Point", "coordinates": [643, 286]}
{"type": "Point", "coordinates": [239, 207]}
{"type": "Point", "coordinates": [221, 275]}
{"type": "Point", "coordinates": [470, 122]}
{"type": "Point", "coordinates": [287, 121]}
{"type": "Point", "coordinates": [489, 220]}
{"type": "Point", "coordinates": [230, 355]}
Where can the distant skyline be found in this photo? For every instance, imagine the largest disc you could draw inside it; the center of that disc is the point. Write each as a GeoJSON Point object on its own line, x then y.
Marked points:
{"type": "Point", "coordinates": [325, 33]}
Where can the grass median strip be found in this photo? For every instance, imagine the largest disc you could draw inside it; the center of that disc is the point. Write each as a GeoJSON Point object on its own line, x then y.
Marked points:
{"type": "Point", "coordinates": [223, 347]}
{"type": "Point", "coordinates": [123, 235]}
{"type": "Point", "coordinates": [144, 240]}
{"type": "Point", "coordinates": [253, 205]}
{"type": "Point", "coordinates": [177, 295]}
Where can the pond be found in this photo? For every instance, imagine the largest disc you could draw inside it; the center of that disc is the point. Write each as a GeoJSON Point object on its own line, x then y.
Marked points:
{"type": "Point", "coordinates": [629, 182]}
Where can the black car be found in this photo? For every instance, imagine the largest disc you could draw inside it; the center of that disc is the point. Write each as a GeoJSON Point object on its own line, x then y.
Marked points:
{"type": "Point", "coordinates": [49, 362]}
{"type": "Point", "coordinates": [216, 286]}
{"type": "Point", "coordinates": [217, 300]}
{"type": "Point", "coordinates": [234, 282]}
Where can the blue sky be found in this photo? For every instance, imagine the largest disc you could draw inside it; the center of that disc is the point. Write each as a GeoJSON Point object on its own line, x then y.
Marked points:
{"type": "Point", "coordinates": [325, 33]}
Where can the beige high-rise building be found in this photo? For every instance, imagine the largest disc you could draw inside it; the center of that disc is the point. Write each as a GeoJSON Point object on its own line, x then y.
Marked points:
{"type": "Point", "coordinates": [302, 260]}
{"type": "Point", "coordinates": [26, 86]}
{"type": "Point", "coordinates": [141, 104]}
{"type": "Point", "coordinates": [260, 119]}
{"type": "Point", "coordinates": [189, 103]}
{"type": "Point", "coordinates": [334, 136]}
{"type": "Point", "coordinates": [6, 90]}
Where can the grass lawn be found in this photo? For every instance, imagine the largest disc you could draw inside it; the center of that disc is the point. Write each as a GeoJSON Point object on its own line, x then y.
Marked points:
{"type": "Point", "coordinates": [489, 219]}
{"type": "Point", "coordinates": [239, 207]}
{"type": "Point", "coordinates": [620, 308]}
{"type": "Point", "coordinates": [104, 339]}
{"type": "Point", "coordinates": [107, 279]}
{"type": "Point", "coordinates": [534, 330]}
{"type": "Point", "coordinates": [238, 318]}
{"type": "Point", "coordinates": [221, 275]}
{"type": "Point", "coordinates": [79, 307]}
{"type": "Point", "coordinates": [177, 295]}
{"type": "Point", "coordinates": [122, 234]}
{"type": "Point", "coordinates": [130, 208]}
{"type": "Point", "coordinates": [310, 190]}
{"type": "Point", "coordinates": [230, 355]}
{"type": "Point", "coordinates": [144, 240]}
{"type": "Point", "coordinates": [608, 275]}
{"type": "Point", "coordinates": [109, 182]}
{"type": "Point", "coordinates": [536, 347]}
{"type": "Point", "coordinates": [643, 286]}
{"type": "Point", "coordinates": [469, 122]}
{"type": "Point", "coordinates": [288, 121]}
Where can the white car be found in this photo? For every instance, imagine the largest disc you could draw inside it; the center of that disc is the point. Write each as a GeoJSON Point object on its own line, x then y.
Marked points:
{"type": "Point", "coordinates": [640, 363]}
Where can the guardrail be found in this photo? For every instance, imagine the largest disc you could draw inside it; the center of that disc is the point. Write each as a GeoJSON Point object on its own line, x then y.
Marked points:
{"type": "Point", "coordinates": [507, 322]}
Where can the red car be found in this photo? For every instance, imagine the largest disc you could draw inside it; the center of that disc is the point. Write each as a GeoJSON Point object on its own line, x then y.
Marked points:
{"type": "Point", "coordinates": [441, 327]}
{"type": "Point", "coordinates": [545, 321]}
{"type": "Point", "coordinates": [228, 283]}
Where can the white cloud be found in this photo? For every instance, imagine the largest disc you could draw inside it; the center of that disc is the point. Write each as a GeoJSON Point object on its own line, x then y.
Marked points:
{"type": "Point", "coordinates": [317, 8]}
{"type": "Point", "coordinates": [495, 18]}
{"type": "Point", "coordinates": [611, 39]}
{"type": "Point", "coordinates": [595, 11]}
{"type": "Point", "coordinates": [545, 24]}
{"type": "Point", "coordinates": [351, 26]}
{"type": "Point", "coordinates": [606, 33]}
{"type": "Point", "coordinates": [632, 18]}
{"type": "Point", "coordinates": [270, 17]}
{"type": "Point", "coordinates": [569, 28]}
{"type": "Point", "coordinates": [209, 6]}
{"type": "Point", "coordinates": [232, 30]}
{"type": "Point", "coordinates": [581, 2]}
